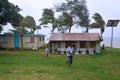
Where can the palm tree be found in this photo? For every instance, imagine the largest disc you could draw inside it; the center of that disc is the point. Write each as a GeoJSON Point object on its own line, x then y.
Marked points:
{"type": "Point", "coordinates": [99, 23]}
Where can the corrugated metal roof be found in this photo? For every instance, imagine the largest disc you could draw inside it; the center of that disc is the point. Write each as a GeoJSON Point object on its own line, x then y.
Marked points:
{"type": "Point", "coordinates": [75, 37]}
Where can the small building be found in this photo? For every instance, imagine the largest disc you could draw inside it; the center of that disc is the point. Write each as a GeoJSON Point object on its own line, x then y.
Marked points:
{"type": "Point", "coordinates": [82, 42]}
{"type": "Point", "coordinates": [29, 41]}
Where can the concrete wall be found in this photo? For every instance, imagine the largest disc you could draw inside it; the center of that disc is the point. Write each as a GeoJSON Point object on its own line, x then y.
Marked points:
{"type": "Point", "coordinates": [77, 47]}
{"type": "Point", "coordinates": [29, 45]}
{"type": "Point", "coordinates": [9, 42]}
{"type": "Point", "coordinates": [26, 42]}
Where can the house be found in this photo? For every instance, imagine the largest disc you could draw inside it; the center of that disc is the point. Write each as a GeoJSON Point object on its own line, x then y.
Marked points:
{"type": "Point", "coordinates": [28, 41]}
{"type": "Point", "coordinates": [82, 42]}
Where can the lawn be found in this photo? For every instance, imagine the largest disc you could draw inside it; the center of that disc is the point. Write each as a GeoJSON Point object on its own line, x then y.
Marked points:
{"type": "Point", "coordinates": [32, 65]}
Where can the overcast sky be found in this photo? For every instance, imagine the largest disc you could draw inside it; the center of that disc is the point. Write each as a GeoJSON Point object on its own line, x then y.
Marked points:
{"type": "Point", "coordinates": [109, 9]}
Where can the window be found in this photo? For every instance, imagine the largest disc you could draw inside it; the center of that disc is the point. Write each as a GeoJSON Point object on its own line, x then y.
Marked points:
{"type": "Point", "coordinates": [93, 44]}
{"type": "Point", "coordinates": [41, 39]}
{"type": "Point", "coordinates": [30, 39]}
{"type": "Point", "coordinates": [68, 43]}
{"type": "Point", "coordinates": [82, 44]}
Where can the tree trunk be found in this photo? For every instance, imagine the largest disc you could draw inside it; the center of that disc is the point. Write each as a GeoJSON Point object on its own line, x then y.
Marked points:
{"type": "Point", "coordinates": [87, 30]}
{"type": "Point", "coordinates": [21, 41]}
{"type": "Point", "coordinates": [70, 29]}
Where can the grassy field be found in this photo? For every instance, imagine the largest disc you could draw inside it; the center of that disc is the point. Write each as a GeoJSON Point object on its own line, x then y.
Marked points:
{"type": "Point", "coordinates": [32, 65]}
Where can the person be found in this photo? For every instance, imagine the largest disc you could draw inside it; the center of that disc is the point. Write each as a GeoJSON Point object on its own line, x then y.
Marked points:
{"type": "Point", "coordinates": [46, 51]}
{"type": "Point", "coordinates": [79, 51]}
{"type": "Point", "coordinates": [103, 46]}
{"type": "Point", "coordinates": [87, 51]}
{"type": "Point", "coordinates": [59, 50]}
{"type": "Point", "coordinates": [69, 54]}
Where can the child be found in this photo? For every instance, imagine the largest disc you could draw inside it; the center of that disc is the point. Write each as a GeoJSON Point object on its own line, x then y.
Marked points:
{"type": "Point", "coordinates": [46, 51]}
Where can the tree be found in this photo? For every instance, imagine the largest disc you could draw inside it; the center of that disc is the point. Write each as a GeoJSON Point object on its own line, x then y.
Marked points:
{"type": "Point", "coordinates": [8, 12]}
{"type": "Point", "coordinates": [16, 24]}
{"type": "Point", "coordinates": [77, 10]}
{"type": "Point", "coordinates": [67, 21]}
{"type": "Point", "coordinates": [48, 17]}
{"type": "Point", "coordinates": [23, 24]}
{"type": "Point", "coordinates": [99, 22]}
{"type": "Point", "coordinates": [65, 18]}
{"type": "Point", "coordinates": [17, 21]}
{"type": "Point", "coordinates": [28, 22]}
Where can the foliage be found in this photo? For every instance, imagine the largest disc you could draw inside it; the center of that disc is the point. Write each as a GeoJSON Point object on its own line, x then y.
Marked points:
{"type": "Point", "coordinates": [18, 30]}
{"type": "Point", "coordinates": [28, 22]}
{"type": "Point", "coordinates": [69, 13]}
{"type": "Point", "coordinates": [17, 21]}
{"type": "Point", "coordinates": [24, 25]}
{"type": "Point", "coordinates": [99, 22]}
{"type": "Point", "coordinates": [48, 17]}
{"type": "Point", "coordinates": [77, 11]}
{"type": "Point", "coordinates": [32, 65]}
{"type": "Point", "coordinates": [65, 22]}
{"type": "Point", "coordinates": [8, 13]}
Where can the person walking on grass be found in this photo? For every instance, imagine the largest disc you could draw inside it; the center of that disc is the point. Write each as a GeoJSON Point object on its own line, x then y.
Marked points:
{"type": "Point", "coordinates": [46, 51]}
{"type": "Point", "coordinates": [69, 54]}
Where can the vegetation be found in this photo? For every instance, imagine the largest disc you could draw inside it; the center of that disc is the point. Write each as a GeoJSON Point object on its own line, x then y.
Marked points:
{"type": "Point", "coordinates": [69, 13]}
{"type": "Point", "coordinates": [25, 25]}
{"type": "Point", "coordinates": [8, 13]}
{"type": "Point", "coordinates": [28, 23]}
{"type": "Point", "coordinates": [99, 22]}
{"type": "Point", "coordinates": [63, 16]}
{"type": "Point", "coordinates": [48, 17]}
{"type": "Point", "coordinates": [32, 65]}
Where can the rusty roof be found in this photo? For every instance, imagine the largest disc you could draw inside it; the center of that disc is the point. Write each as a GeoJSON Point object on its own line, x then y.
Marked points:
{"type": "Point", "coordinates": [75, 37]}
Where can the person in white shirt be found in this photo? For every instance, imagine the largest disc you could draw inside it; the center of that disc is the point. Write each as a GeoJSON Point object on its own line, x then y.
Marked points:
{"type": "Point", "coordinates": [69, 54]}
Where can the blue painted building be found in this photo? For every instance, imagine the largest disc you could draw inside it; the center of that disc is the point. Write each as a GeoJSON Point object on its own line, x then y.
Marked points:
{"type": "Point", "coordinates": [27, 41]}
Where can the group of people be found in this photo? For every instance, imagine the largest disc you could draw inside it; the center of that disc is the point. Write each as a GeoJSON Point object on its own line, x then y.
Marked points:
{"type": "Point", "coordinates": [69, 53]}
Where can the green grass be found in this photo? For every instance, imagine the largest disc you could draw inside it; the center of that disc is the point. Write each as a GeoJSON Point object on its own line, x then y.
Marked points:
{"type": "Point", "coordinates": [32, 65]}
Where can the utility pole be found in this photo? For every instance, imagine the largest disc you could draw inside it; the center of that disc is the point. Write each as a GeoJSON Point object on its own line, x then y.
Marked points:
{"type": "Point", "coordinates": [112, 23]}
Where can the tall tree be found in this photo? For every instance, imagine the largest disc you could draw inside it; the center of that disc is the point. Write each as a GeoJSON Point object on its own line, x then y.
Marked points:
{"type": "Point", "coordinates": [8, 12]}
{"type": "Point", "coordinates": [29, 23]}
{"type": "Point", "coordinates": [48, 17]}
{"type": "Point", "coordinates": [17, 21]}
{"type": "Point", "coordinates": [23, 24]}
{"type": "Point", "coordinates": [99, 23]}
{"type": "Point", "coordinates": [16, 24]}
{"type": "Point", "coordinates": [67, 21]}
{"type": "Point", "coordinates": [77, 9]}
